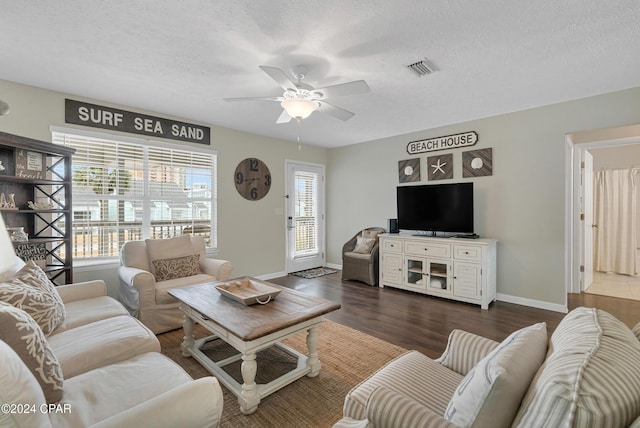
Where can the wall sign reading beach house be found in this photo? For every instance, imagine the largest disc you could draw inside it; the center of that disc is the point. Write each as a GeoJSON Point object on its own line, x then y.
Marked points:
{"type": "Point", "coordinates": [96, 116]}
{"type": "Point", "coordinates": [442, 143]}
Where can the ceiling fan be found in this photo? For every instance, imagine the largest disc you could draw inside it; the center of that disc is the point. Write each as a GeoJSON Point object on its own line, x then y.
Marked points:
{"type": "Point", "coordinates": [299, 99]}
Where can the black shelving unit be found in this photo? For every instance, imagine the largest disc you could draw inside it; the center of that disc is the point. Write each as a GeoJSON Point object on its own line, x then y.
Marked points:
{"type": "Point", "coordinates": [39, 171]}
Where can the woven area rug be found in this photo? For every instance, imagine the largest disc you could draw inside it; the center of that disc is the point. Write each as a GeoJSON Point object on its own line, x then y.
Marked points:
{"type": "Point", "coordinates": [347, 357]}
{"type": "Point", "coordinates": [314, 273]}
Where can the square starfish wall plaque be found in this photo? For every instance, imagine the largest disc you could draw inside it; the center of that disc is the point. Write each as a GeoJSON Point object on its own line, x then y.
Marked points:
{"type": "Point", "coordinates": [440, 167]}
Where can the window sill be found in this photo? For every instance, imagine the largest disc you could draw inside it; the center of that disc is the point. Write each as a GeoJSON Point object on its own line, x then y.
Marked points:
{"type": "Point", "coordinates": [95, 264]}
{"type": "Point", "coordinates": [87, 265]}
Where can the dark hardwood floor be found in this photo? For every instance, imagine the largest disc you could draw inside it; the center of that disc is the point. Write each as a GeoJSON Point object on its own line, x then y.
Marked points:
{"type": "Point", "coordinates": [414, 321]}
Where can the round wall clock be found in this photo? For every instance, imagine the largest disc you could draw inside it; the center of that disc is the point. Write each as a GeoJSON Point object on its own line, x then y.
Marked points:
{"type": "Point", "coordinates": [252, 179]}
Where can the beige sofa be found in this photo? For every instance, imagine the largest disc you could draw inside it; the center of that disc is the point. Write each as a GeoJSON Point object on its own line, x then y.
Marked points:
{"type": "Point", "coordinates": [586, 375]}
{"type": "Point", "coordinates": [148, 269]}
{"type": "Point", "coordinates": [98, 367]}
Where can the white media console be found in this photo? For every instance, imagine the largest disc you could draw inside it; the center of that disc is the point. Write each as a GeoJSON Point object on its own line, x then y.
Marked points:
{"type": "Point", "coordinates": [453, 268]}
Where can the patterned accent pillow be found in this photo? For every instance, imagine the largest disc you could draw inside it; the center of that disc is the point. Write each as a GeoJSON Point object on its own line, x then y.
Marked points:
{"type": "Point", "coordinates": [636, 330]}
{"type": "Point", "coordinates": [170, 248]}
{"type": "Point", "coordinates": [179, 267]}
{"type": "Point", "coordinates": [364, 245]}
{"type": "Point", "coordinates": [490, 394]}
{"type": "Point", "coordinates": [32, 291]}
{"type": "Point", "coordinates": [24, 336]}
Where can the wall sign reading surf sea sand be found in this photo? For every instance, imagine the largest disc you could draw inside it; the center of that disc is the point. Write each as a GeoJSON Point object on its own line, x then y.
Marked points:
{"type": "Point", "coordinates": [96, 116]}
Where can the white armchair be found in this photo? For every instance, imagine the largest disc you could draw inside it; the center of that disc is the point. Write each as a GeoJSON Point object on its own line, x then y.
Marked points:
{"type": "Point", "coordinates": [148, 269]}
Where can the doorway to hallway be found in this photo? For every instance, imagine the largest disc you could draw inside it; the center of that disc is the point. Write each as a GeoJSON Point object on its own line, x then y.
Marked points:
{"type": "Point", "coordinates": [621, 152]}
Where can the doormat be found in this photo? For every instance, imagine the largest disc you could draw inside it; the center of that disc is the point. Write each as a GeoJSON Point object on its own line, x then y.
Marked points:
{"type": "Point", "coordinates": [314, 273]}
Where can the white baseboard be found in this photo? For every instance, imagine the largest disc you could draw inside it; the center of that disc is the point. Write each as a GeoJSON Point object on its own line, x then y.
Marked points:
{"type": "Point", "coordinates": [269, 276]}
{"type": "Point", "coordinates": [532, 303]}
{"type": "Point", "coordinates": [501, 297]}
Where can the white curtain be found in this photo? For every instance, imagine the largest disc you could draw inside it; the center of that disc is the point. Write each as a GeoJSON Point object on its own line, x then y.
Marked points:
{"type": "Point", "coordinates": [615, 216]}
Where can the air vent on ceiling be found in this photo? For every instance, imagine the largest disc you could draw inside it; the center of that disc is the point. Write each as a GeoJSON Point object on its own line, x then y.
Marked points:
{"type": "Point", "coordinates": [421, 68]}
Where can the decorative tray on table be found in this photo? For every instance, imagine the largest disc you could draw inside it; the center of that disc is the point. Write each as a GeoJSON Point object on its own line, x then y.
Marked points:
{"type": "Point", "coordinates": [248, 291]}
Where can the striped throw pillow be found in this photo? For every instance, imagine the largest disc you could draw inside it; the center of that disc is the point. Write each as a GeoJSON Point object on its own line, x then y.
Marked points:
{"type": "Point", "coordinates": [490, 394]}
{"type": "Point", "coordinates": [591, 376]}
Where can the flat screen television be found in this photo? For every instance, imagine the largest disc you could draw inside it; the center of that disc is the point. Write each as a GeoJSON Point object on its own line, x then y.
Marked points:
{"type": "Point", "coordinates": [436, 208]}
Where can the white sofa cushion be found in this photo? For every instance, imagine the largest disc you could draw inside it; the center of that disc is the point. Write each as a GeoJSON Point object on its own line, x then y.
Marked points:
{"type": "Point", "coordinates": [14, 372]}
{"type": "Point", "coordinates": [591, 376]}
{"type": "Point", "coordinates": [21, 332]}
{"type": "Point", "coordinates": [162, 249]}
{"type": "Point", "coordinates": [31, 290]}
{"type": "Point", "coordinates": [134, 254]}
{"type": "Point", "coordinates": [9, 265]}
{"type": "Point", "coordinates": [111, 389]}
{"type": "Point", "coordinates": [490, 394]}
{"type": "Point", "coordinates": [100, 343]}
{"type": "Point", "coordinates": [85, 311]}
{"type": "Point", "coordinates": [194, 404]}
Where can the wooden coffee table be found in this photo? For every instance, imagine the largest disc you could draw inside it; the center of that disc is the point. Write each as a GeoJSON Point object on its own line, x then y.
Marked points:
{"type": "Point", "coordinates": [250, 329]}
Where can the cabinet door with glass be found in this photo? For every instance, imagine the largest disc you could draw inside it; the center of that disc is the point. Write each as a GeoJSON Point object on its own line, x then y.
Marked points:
{"type": "Point", "coordinates": [428, 274]}
{"type": "Point", "coordinates": [415, 273]}
{"type": "Point", "coordinates": [439, 278]}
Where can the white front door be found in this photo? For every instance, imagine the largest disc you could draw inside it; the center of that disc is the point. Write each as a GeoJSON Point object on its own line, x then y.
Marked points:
{"type": "Point", "coordinates": [587, 219]}
{"type": "Point", "coordinates": [304, 196]}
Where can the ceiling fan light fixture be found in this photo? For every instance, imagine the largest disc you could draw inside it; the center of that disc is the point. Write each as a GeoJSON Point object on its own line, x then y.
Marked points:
{"type": "Point", "coordinates": [299, 108]}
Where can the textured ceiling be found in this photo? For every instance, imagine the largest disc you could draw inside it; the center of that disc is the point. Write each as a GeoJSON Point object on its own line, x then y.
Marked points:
{"type": "Point", "coordinates": [182, 57]}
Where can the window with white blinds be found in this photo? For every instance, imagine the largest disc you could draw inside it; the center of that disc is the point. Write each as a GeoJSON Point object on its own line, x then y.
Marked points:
{"type": "Point", "coordinates": [306, 212]}
{"type": "Point", "coordinates": [126, 191]}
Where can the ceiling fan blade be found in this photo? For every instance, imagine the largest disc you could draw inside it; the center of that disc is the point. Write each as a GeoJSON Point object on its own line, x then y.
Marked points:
{"type": "Point", "coordinates": [342, 89]}
{"type": "Point", "coordinates": [335, 111]}
{"type": "Point", "coordinates": [254, 99]}
{"type": "Point", "coordinates": [279, 76]}
{"type": "Point", "coordinates": [284, 117]}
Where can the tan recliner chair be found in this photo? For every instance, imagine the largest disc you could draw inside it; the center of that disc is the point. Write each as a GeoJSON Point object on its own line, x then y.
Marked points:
{"type": "Point", "coordinates": [148, 269]}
